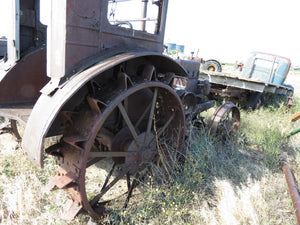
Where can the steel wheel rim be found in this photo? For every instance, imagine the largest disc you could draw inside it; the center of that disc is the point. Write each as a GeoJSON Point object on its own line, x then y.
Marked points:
{"type": "Point", "coordinates": [226, 119]}
{"type": "Point", "coordinates": [98, 120]}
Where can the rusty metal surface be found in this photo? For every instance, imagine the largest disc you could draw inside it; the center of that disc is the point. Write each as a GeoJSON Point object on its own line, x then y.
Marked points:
{"type": "Point", "coordinates": [295, 117]}
{"type": "Point", "coordinates": [226, 119]}
{"type": "Point", "coordinates": [292, 187]}
{"type": "Point", "coordinates": [23, 82]}
{"type": "Point", "coordinates": [163, 123]}
{"type": "Point", "coordinates": [80, 31]}
{"type": "Point", "coordinates": [47, 107]}
{"type": "Point", "coordinates": [244, 84]}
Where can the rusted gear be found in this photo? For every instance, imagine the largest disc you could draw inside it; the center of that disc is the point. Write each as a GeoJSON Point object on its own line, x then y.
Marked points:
{"type": "Point", "coordinates": [226, 119]}
{"type": "Point", "coordinates": [122, 131]}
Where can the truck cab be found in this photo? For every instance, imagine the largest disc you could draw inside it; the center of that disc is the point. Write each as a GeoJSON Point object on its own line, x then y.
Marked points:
{"type": "Point", "coordinates": [267, 68]}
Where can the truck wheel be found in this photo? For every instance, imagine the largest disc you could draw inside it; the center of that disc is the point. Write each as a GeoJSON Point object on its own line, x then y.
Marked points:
{"type": "Point", "coordinates": [212, 65]}
{"type": "Point", "coordinates": [120, 131]}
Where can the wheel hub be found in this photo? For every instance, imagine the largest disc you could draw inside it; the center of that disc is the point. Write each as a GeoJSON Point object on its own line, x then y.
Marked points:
{"type": "Point", "coordinates": [145, 152]}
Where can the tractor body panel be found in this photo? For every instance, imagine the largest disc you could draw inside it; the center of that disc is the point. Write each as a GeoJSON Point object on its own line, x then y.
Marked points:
{"type": "Point", "coordinates": [42, 122]}
{"type": "Point", "coordinates": [81, 29]}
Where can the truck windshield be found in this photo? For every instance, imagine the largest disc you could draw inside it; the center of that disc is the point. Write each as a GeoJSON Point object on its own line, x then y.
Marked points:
{"type": "Point", "coordinates": [140, 15]}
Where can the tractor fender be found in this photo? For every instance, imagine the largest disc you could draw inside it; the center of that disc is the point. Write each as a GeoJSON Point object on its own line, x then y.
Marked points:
{"type": "Point", "coordinates": [48, 106]}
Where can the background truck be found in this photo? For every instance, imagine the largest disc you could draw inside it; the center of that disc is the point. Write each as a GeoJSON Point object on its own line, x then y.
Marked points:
{"type": "Point", "coordinates": [113, 101]}
{"type": "Point", "coordinates": [262, 73]}
{"type": "Point", "coordinates": [176, 51]}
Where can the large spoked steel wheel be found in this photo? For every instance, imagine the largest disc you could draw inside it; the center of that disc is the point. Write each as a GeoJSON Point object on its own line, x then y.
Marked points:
{"type": "Point", "coordinates": [112, 139]}
{"type": "Point", "coordinates": [226, 120]}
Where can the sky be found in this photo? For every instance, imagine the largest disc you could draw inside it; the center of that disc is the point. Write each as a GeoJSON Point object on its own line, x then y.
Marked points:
{"type": "Point", "coordinates": [228, 30]}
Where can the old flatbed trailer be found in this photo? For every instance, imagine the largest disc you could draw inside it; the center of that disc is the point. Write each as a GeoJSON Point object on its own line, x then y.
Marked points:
{"type": "Point", "coordinates": [263, 73]}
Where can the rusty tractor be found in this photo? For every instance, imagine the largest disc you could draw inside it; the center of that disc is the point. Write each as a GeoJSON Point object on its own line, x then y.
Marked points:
{"type": "Point", "coordinates": [95, 77]}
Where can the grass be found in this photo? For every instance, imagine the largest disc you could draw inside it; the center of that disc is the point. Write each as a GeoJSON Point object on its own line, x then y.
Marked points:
{"type": "Point", "coordinates": [294, 72]}
{"type": "Point", "coordinates": [233, 181]}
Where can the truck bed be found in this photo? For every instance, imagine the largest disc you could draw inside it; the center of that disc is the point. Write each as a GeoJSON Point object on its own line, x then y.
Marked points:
{"type": "Point", "coordinates": [234, 80]}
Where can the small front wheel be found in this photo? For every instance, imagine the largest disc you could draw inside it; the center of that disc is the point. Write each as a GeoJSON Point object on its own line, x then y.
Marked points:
{"type": "Point", "coordinates": [226, 120]}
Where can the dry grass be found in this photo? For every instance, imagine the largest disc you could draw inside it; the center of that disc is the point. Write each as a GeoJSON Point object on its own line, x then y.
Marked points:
{"type": "Point", "coordinates": [23, 198]}
{"type": "Point", "coordinates": [236, 181]}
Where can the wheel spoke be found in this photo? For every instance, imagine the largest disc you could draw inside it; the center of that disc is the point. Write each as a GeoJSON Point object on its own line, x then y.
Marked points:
{"type": "Point", "coordinates": [129, 123]}
{"type": "Point", "coordinates": [108, 176]}
{"type": "Point", "coordinates": [93, 161]}
{"type": "Point", "coordinates": [128, 180]}
{"type": "Point", "coordinates": [149, 125]}
{"type": "Point", "coordinates": [132, 186]}
{"type": "Point", "coordinates": [105, 189]}
{"type": "Point", "coordinates": [142, 116]}
{"type": "Point", "coordinates": [166, 125]}
{"type": "Point", "coordinates": [161, 130]}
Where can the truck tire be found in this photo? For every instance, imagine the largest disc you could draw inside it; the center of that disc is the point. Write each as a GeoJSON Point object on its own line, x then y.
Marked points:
{"type": "Point", "coordinates": [212, 65]}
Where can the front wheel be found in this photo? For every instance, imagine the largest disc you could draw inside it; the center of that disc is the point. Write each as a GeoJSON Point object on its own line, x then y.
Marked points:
{"type": "Point", "coordinates": [112, 139]}
{"type": "Point", "coordinates": [226, 120]}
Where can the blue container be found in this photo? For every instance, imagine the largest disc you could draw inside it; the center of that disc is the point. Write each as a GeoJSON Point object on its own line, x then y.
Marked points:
{"type": "Point", "coordinates": [180, 48]}
{"type": "Point", "coordinates": [266, 68]}
{"type": "Point", "coordinates": [171, 46]}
